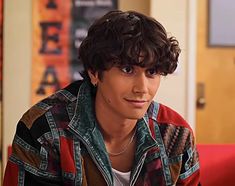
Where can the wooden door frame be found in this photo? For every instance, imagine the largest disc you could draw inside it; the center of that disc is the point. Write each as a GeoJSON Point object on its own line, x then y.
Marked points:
{"type": "Point", "coordinates": [191, 63]}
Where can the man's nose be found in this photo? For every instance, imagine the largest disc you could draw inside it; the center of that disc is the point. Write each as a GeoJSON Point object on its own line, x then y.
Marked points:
{"type": "Point", "coordinates": [141, 84]}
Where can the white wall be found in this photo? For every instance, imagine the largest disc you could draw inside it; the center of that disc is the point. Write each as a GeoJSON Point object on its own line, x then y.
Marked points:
{"type": "Point", "coordinates": [178, 90]}
{"type": "Point", "coordinates": [172, 14]}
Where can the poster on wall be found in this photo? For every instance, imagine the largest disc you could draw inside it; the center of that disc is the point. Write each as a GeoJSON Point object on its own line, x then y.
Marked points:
{"type": "Point", "coordinates": [58, 29]}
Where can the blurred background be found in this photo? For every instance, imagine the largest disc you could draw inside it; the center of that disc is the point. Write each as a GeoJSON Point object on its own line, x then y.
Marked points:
{"type": "Point", "coordinates": [39, 40]}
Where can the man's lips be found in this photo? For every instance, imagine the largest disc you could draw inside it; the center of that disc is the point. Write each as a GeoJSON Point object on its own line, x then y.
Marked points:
{"type": "Point", "coordinates": [136, 102]}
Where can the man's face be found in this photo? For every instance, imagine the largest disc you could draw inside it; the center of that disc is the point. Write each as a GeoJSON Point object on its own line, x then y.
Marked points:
{"type": "Point", "coordinates": [126, 91]}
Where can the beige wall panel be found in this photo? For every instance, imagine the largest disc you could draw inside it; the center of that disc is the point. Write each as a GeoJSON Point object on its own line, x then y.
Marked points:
{"type": "Point", "coordinates": [173, 16]}
{"type": "Point", "coordinates": [17, 65]}
{"type": "Point", "coordinates": [142, 6]}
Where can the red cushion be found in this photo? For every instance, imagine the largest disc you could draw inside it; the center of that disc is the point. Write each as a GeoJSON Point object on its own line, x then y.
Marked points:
{"type": "Point", "coordinates": [217, 164]}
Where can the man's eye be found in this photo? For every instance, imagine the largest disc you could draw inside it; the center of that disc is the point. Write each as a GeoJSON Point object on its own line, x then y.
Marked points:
{"type": "Point", "coordinates": [127, 69]}
{"type": "Point", "coordinates": [152, 72]}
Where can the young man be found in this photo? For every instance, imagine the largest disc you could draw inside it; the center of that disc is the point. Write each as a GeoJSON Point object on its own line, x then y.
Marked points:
{"type": "Point", "coordinates": [106, 129]}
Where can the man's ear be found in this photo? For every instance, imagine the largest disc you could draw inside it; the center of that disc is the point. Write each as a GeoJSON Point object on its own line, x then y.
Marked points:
{"type": "Point", "coordinates": [94, 77]}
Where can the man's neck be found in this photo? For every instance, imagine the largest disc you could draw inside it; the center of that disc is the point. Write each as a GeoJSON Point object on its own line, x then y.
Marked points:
{"type": "Point", "coordinates": [119, 135]}
{"type": "Point", "coordinates": [113, 126]}
{"type": "Point", "coordinates": [115, 129]}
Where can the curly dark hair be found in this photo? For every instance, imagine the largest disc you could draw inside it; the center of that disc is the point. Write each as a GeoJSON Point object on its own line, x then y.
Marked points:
{"type": "Point", "coordinates": [123, 38]}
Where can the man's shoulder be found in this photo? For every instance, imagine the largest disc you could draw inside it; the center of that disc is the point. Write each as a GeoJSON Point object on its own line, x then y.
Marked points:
{"type": "Point", "coordinates": [165, 115]}
{"type": "Point", "coordinates": [45, 122]}
{"type": "Point", "coordinates": [64, 96]}
{"type": "Point", "coordinates": [58, 106]}
{"type": "Point", "coordinates": [174, 130]}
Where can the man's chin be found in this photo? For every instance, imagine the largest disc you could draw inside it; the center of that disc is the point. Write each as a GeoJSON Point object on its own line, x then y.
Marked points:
{"type": "Point", "coordinates": [136, 116]}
